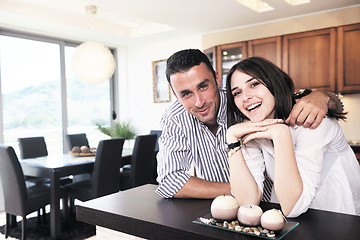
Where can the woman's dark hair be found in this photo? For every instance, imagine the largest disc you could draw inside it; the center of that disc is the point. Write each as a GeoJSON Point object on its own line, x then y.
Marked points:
{"type": "Point", "coordinates": [277, 81]}
{"type": "Point", "coordinates": [183, 60]}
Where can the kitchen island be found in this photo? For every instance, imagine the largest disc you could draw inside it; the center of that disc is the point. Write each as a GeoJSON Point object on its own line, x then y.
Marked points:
{"type": "Point", "coordinates": [141, 212]}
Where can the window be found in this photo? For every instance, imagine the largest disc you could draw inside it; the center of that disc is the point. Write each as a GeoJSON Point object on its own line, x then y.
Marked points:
{"type": "Point", "coordinates": [41, 99]}
{"type": "Point", "coordinates": [87, 104]}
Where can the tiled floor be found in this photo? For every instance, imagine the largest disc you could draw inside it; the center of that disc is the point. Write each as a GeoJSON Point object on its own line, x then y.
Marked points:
{"type": "Point", "coordinates": [2, 222]}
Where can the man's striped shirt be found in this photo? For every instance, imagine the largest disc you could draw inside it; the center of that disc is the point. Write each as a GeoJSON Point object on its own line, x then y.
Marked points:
{"type": "Point", "coordinates": [185, 141]}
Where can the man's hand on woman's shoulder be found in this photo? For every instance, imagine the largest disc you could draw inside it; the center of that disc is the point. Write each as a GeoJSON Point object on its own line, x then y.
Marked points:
{"type": "Point", "coordinates": [310, 110]}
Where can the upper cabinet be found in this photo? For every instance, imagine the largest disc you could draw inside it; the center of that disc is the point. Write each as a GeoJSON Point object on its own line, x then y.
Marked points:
{"type": "Point", "coordinates": [211, 54]}
{"type": "Point", "coordinates": [348, 56]}
{"type": "Point", "coordinates": [228, 55]}
{"type": "Point", "coordinates": [309, 59]}
{"type": "Point", "coordinates": [326, 59]}
{"type": "Point", "coordinates": [269, 48]}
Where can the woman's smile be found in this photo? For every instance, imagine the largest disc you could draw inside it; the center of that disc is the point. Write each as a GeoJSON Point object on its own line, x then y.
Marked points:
{"type": "Point", "coordinates": [252, 97]}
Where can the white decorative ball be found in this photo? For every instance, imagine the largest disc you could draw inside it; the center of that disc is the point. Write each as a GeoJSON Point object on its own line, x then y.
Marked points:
{"type": "Point", "coordinates": [93, 62]}
{"type": "Point", "coordinates": [224, 207]}
{"type": "Point", "coordinates": [249, 215]}
{"type": "Point", "coordinates": [272, 219]}
{"type": "Point", "coordinates": [84, 149]}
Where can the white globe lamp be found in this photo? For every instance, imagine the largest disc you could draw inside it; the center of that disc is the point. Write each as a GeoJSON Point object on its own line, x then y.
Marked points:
{"type": "Point", "coordinates": [93, 62]}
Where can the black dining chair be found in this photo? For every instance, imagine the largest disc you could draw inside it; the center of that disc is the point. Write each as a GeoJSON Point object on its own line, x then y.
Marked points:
{"type": "Point", "coordinates": [141, 170]}
{"type": "Point", "coordinates": [105, 177]}
{"type": "Point", "coordinates": [20, 200]}
{"type": "Point", "coordinates": [158, 134]}
{"type": "Point", "coordinates": [154, 167]}
{"type": "Point", "coordinates": [78, 139]}
{"type": "Point", "coordinates": [31, 147]}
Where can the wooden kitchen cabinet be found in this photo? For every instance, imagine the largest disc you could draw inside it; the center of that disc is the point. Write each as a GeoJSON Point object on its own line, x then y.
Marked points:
{"type": "Point", "coordinates": [309, 58]}
{"type": "Point", "coordinates": [326, 59]}
{"type": "Point", "coordinates": [269, 48]}
{"type": "Point", "coordinates": [211, 54]}
{"type": "Point", "coordinates": [348, 55]}
{"type": "Point", "coordinates": [228, 55]}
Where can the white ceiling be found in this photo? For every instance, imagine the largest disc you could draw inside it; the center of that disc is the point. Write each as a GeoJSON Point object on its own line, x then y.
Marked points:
{"type": "Point", "coordinates": [127, 22]}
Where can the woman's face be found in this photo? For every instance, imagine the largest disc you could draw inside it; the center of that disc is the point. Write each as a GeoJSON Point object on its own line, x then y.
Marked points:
{"type": "Point", "coordinates": [251, 97]}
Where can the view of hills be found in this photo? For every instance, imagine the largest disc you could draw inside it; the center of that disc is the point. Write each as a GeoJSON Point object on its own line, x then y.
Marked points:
{"type": "Point", "coordinates": [40, 106]}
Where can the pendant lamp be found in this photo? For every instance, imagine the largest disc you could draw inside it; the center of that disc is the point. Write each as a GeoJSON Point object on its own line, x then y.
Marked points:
{"type": "Point", "coordinates": [93, 62]}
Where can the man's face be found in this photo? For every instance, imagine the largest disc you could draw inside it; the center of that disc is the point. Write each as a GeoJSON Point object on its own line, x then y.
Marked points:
{"type": "Point", "coordinates": [198, 92]}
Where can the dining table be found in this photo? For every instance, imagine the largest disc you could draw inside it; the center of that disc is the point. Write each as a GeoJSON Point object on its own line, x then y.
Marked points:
{"type": "Point", "coordinates": [56, 166]}
{"type": "Point", "coordinates": [142, 213]}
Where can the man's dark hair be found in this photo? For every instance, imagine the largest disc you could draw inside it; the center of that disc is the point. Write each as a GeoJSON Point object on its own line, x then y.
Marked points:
{"type": "Point", "coordinates": [183, 60]}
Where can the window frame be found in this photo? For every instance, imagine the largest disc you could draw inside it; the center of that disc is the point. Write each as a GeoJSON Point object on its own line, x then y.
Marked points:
{"type": "Point", "coordinates": [114, 96]}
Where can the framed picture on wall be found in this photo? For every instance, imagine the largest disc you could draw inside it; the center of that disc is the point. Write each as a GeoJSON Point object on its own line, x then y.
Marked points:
{"type": "Point", "coordinates": [161, 88]}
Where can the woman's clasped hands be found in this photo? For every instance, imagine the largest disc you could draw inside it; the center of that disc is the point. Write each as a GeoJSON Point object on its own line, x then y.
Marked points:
{"type": "Point", "coordinates": [247, 131]}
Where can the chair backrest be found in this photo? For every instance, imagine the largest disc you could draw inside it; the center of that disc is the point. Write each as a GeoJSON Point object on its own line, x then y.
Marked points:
{"type": "Point", "coordinates": [154, 167]}
{"type": "Point", "coordinates": [158, 133]}
{"type": "Point", "coordinates": [79, 140]}
{"type": "Point", "coordinates": [106, 172]}
{"type": "Point", "coordinates": [13, 181]}
{"type": "Point", "coordinates": [31, 147]}
{"type": "Point", "coordinates": [142, 160]}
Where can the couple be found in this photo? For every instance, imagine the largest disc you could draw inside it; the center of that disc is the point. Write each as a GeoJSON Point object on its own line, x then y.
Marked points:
{"type": "Point", "coordinates": [198, 129]}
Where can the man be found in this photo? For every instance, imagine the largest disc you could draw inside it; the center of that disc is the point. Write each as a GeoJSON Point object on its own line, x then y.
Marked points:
{"type": "Point", "coordinates": [194, 128]}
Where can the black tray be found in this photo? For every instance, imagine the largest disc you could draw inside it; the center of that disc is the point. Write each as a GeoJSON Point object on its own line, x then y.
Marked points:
{"type": "Point", "coordinates": [288, 226]}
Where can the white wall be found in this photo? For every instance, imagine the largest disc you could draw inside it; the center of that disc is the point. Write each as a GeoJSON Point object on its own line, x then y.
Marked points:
{"type": "Point", "coordinates": [351, 126]}
{"type": "Point", "coordinates": [136, 81]}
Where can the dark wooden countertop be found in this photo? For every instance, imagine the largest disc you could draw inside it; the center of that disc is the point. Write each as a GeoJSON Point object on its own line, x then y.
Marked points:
{"type": "Point", "coordinates": [141, 212]}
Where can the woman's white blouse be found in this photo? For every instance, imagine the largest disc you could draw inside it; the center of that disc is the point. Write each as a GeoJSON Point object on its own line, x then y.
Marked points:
{"type": "Point", "coordinates": [328, 167]}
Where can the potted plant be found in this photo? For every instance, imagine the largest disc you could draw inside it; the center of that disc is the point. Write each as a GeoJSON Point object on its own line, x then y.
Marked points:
{"type": "Point", "coordinates": [119, 130]}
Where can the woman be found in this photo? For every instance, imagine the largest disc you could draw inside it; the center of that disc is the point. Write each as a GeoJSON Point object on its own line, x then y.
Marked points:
{"type": "Point", "coordinates": [313, 168]}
